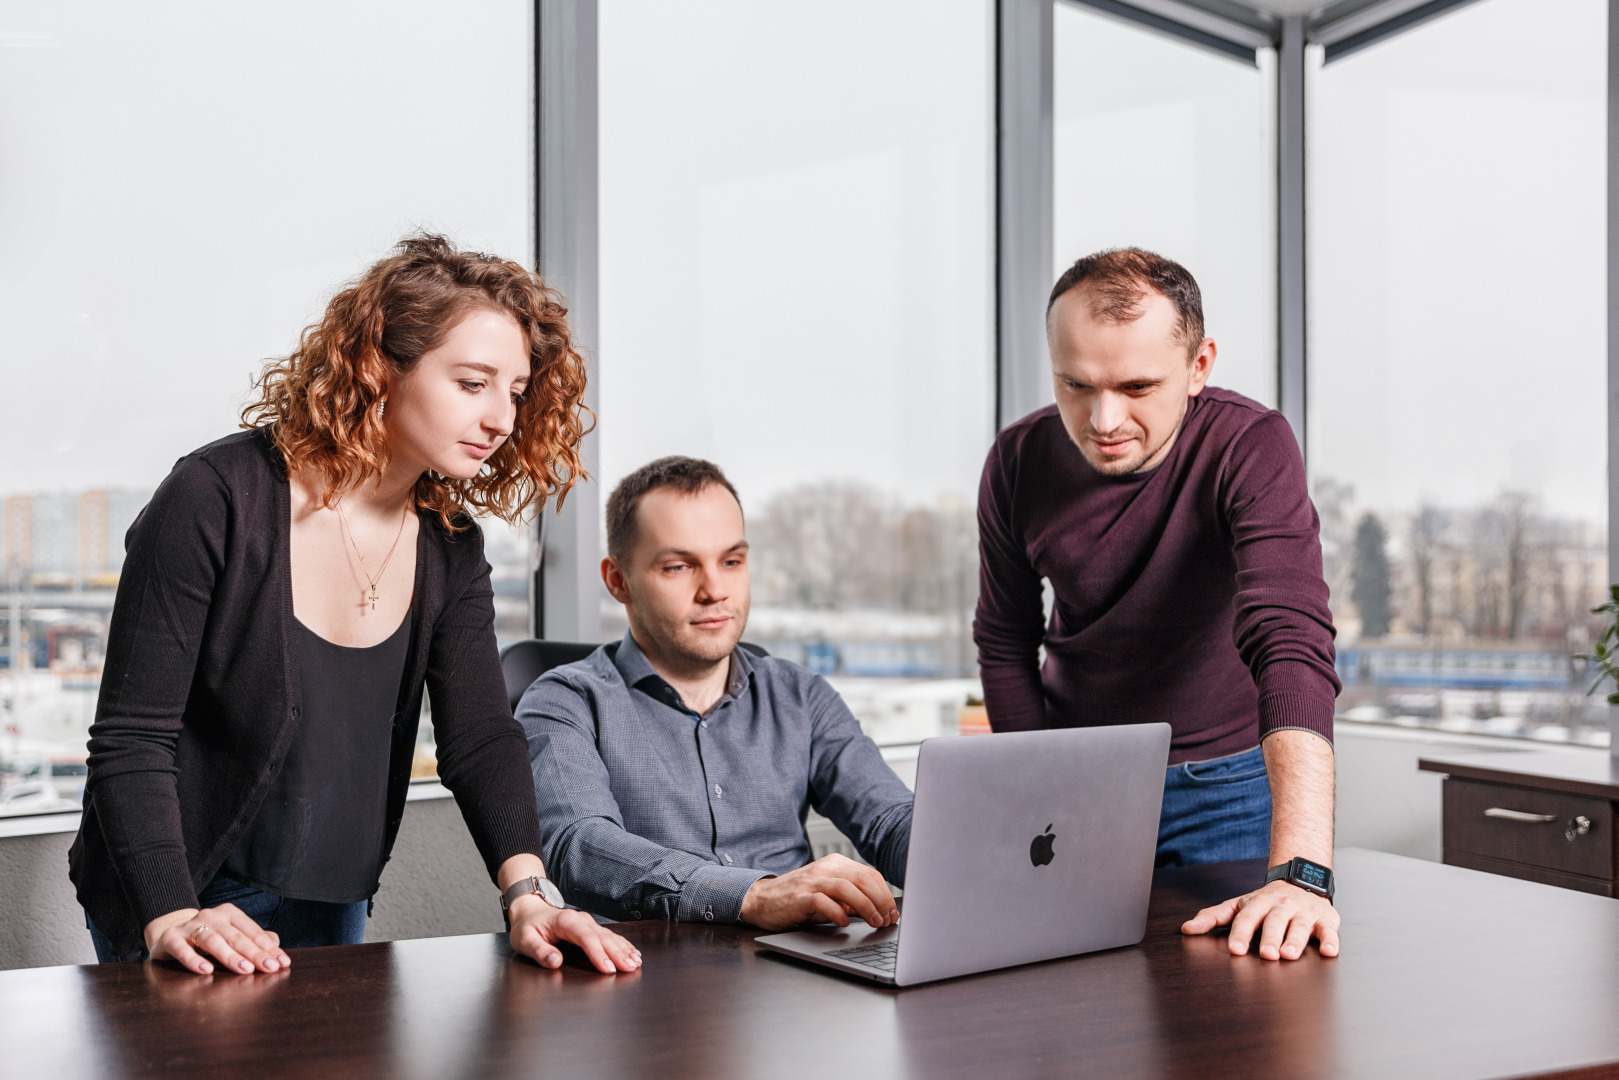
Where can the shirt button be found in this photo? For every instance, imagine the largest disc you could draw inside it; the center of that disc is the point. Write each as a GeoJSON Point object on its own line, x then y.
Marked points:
{"type": "Point", "coordinates": [708, 916]}
{"type": "Point", "coordinates": [705, 723]}
{"type": "Point", "coordinates": [636, 914]}
{"type": "Point", "coordinates": [718, 790]}
{"type": "Point", "coordinates": [727, 858]}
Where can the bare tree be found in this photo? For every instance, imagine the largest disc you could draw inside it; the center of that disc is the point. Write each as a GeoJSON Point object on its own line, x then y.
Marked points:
{"type": "Point", "coordinates": [1427, 533]}
{"type": "Point", "coordinates": [842, 546]}
{"type": "Point", "coordinates": [826, 546]}
{"type": "Point", "coordinates": [1517, 534]}
{"type": "Point", "coordinates": [1332, 502]}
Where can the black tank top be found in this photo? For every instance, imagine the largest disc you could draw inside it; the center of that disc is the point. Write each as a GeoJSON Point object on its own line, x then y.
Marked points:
{"type": "Point", "coordinates": [318, 835]}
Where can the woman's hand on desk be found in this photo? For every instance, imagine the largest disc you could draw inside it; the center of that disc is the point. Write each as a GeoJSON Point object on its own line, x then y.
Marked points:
{"type": "Point", "coordinates": [1285, 916]}
{"type": "Point", "coordinates": [538, 928]}
{"type": "Point", "coordinates": [225, 933]}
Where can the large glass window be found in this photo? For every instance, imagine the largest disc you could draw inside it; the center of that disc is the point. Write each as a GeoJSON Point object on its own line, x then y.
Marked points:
{"type": "Point", "coordinates": [1165, 145]}
{"type": "Point", "coordinates": [796, 283]}
{"type": "Point", "coordinates": [1457, 332]}
{"type": "Point", "coordinates": [181, 188]}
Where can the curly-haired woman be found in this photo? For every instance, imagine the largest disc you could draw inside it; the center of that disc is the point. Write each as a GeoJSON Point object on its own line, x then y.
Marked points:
{"type": "Point", "coordinates": [286, 595]}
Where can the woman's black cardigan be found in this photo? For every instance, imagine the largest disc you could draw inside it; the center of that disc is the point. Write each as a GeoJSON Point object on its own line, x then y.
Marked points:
{"type": "Point", "coordinates": [199, 704]}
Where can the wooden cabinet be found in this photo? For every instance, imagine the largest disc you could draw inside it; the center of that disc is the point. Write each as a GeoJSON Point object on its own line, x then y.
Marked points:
{"type": "Point", "coordinates": [1539, 815]}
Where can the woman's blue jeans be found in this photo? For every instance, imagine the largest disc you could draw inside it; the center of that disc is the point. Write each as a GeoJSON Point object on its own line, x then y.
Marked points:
{"type": "Point", "coordinates": [299, 923]}
{"type": "Point", "coordinates": [1215, 811]}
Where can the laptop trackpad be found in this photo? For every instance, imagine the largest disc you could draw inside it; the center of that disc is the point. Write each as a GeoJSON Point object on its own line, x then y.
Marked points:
{"type": "Point", "coordinates": [814, 939]}
{"type": "Point", "coordinates": [857, 948]}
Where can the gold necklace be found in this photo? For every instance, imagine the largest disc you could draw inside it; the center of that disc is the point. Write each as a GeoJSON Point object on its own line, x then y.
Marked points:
{"type": "Point", "coordinates": [348, 530]}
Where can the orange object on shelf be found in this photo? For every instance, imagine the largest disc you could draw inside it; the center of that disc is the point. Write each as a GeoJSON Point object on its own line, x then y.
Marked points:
{"type": "Point", "coordinates": [973, 720]}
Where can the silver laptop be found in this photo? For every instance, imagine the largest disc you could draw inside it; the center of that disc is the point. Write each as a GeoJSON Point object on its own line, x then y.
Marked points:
{"type": "Point", "coordinates": [1025, 846]}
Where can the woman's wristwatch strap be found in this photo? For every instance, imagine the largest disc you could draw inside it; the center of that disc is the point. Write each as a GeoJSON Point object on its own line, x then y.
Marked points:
{"type": "Point", "coordinates": [542, 887]}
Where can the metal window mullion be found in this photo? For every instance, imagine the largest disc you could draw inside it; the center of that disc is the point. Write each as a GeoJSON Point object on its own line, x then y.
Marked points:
{"type": "Point", "coordinates": [1023, 205]}
{"type": "Point", "coordinates": [1613, 323]}
{"type": "Point", "coordinates": [1366, 25]}
{"type": "Point", "coordinates": [1291, 372]}
{"type": "Point", "coordinates": [564, 595]}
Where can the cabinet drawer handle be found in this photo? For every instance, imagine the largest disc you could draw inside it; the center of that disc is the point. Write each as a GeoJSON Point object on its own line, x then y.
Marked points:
{"type": "Point", "coordinates": [1519, 815]}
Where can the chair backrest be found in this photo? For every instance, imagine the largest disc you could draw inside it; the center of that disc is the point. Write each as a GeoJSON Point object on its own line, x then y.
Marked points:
{"type": "Point", "coordinates": [522, 662]}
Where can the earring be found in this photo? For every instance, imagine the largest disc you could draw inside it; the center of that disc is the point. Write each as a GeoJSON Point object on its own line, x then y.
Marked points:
{"type": "Point", "coordinates": [382, 407]}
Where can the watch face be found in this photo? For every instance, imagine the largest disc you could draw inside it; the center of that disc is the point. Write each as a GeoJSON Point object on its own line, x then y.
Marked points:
{"type": "Point", "coordinates": [550, 893]}
{"type": "Point", "coordinates": [1311, 874]}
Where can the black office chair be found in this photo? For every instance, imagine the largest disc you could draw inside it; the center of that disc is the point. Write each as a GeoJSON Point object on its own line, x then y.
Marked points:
{"type": "Point", "coordinates": [524, 661]}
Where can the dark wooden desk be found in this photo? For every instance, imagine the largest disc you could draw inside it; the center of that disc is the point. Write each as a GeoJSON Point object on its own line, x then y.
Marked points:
{"type": "Point", "coordinates": [1446, 973]}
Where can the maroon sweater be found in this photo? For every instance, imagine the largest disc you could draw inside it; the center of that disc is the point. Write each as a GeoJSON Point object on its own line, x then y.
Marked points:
{"type": "Point", "coordinates": [1190, 593]}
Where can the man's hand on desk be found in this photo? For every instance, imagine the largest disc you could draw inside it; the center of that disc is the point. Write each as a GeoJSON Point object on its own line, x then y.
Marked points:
{"type": "Point", "coordinates": [830, 889]}
{"type": "Point", "coordinates": [538, 928]}
{"type": "Point", "coordinates": [1285, 916]}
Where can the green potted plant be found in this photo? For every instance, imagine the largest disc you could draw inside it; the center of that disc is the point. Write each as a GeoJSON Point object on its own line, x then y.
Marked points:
{"type": "Point", "coordinates": [1605, 653]}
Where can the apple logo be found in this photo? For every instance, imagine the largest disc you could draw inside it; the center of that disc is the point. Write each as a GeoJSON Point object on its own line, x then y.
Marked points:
{"type": "Point", "coordinates": [1040, 848]}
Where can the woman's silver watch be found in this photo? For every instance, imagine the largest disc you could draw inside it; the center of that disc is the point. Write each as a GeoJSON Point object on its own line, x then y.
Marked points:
{"type": "Point", "coordinates": [542, 887]}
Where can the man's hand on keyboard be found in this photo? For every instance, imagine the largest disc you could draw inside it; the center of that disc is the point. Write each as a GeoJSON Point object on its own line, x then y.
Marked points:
{"type": "Point", "coordinates": [830, 889]}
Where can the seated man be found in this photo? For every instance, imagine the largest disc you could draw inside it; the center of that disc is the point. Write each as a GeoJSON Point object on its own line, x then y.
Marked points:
{"type": "Point", "coordinates": [674, 769]}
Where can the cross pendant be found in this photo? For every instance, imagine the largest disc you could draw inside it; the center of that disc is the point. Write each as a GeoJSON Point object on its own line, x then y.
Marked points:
{"type": "Point", "coordinates": [373, 599]}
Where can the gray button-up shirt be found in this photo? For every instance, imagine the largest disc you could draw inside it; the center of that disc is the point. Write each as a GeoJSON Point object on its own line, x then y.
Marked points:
{"type": "Point", "coordinates": [648, 810]}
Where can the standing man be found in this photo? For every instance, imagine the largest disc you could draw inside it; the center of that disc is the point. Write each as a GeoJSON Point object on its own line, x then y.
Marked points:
{"type": "Point", "coordinates": [1174, 526]}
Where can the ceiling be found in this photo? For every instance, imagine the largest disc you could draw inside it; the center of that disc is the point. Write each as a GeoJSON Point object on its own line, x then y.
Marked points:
{"type": "Point", "coordinates": [1288, 7]}
{"type": "Point", "coordinates": [1319, 12]}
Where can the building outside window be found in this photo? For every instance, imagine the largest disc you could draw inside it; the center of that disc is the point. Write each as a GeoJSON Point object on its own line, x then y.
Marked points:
{"type": "Point", "coordinates": [1457, 441]}
{"type": "Point", "coordinates": [182, 187]}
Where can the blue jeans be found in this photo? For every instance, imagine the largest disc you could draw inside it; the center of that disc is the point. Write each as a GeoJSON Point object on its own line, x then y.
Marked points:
{"type": "Point", "coordinates": [299, 923]}
{"type": "Point", "coordinates": [1215, 811]}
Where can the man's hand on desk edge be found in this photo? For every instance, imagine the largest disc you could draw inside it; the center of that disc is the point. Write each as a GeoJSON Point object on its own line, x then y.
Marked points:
{"type": "Point", "coordinates": [830, 889]}
{"type": "Point", "coordinates": [1285, 916]}
{"type": "Point", "coordinates": [538, 929]}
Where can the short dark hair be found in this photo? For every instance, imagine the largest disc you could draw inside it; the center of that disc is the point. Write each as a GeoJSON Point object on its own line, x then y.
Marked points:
{"type": "Point", "coordinates": [685, 474]}
{"type": "Point", "coordinates": [1120, 277]}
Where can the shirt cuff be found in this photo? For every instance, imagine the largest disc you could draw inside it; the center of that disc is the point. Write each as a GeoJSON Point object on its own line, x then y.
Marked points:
{"type": "Point", "coordinates": [714, 893]}
{"type": "Point", "coordinates": [156, 884]}
{"type": "Point", "coordinates": [1290, 709]}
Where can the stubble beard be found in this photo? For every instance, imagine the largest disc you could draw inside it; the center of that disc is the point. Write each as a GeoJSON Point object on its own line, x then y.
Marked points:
{"type": "Point", "coordinates": [1134, 463]}
{"type": "Point", "coordinates": [695, 650]}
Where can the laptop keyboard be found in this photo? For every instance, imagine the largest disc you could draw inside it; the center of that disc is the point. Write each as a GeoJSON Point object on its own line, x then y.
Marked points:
{"type": "Point", "coordinates": [878, 957]}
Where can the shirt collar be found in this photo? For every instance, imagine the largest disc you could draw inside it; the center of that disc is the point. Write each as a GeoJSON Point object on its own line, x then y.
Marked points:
{"type": "Point", "coordinates": [633, 665]}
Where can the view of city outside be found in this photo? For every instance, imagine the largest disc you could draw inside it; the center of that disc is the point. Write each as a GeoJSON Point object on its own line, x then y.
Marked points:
{"type": "Point", "coordinates": [161, 243]}
{"type": "Point", "coordinates": [1165, 145]}
{"type": "Point", "coordinates": [1458, 433]}
{"type": "Point", "coordinates": [797, 283]}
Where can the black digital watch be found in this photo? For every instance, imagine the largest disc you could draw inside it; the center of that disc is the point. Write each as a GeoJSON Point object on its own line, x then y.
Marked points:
{"type": "Point", "coordinates": [1307, 875]}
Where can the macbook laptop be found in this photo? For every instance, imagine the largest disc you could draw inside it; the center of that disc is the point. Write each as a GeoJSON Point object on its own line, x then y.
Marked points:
{"type": "Point", "coordinates": [1025, 846]}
